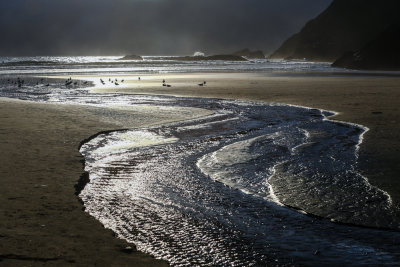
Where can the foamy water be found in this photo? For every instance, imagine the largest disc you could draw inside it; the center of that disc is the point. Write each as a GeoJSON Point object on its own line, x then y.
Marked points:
{"type": "Point", "coordinates": [216, 191]}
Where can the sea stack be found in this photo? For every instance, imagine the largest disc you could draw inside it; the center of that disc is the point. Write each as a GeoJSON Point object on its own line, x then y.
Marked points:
{"type": "Point", "coordinates": [250, 54]}
{"type": "Point", "coordinates": [131, 57]}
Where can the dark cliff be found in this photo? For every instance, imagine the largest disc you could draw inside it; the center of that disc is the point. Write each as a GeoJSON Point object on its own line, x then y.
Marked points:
{"type": "Point", "coordinates": [346, 25]}
{"type": "Point", "coordinates": [382, 53]}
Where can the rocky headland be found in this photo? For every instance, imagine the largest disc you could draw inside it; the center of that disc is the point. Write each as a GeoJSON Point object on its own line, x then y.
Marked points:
{"type": "Point", "coordinates": [358, 26]}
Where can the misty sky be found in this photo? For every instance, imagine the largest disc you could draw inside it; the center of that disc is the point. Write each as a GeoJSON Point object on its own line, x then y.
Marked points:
{"type": "Point", "coordinates": [149, 27]}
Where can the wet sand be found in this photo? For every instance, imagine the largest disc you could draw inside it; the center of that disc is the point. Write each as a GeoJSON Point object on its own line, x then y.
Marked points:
{"type": "Point", "coordinates": [42, 220]}
{"type": "Point", "coordinates": [372, 101]}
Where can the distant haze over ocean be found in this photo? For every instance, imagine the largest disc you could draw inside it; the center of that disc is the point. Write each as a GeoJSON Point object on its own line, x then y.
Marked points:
{"type": "Point", "coordinates": [157, 27]}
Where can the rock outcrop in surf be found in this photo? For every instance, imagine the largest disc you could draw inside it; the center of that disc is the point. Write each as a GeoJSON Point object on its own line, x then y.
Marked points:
{"type": "Point", "coordinates": [131, 57]}
{"type": "Point", "coordinates": [250, 54]}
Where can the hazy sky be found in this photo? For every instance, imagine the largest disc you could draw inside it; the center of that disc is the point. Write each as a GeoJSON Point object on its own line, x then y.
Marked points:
{"type": "Point", "coordinates": [116, 27]}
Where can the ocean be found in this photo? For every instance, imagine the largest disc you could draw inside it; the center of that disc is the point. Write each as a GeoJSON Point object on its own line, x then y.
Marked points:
{"type": "Point", "coordinates": [149, 64]}
{"type": "Point", "coordinates": [249, 184]}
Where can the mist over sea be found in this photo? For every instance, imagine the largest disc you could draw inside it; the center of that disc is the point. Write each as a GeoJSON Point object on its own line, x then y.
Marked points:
{"type": "Point", "coordinates": [246, 183]}
{"type": "Point", "coordinates": [149, 64]}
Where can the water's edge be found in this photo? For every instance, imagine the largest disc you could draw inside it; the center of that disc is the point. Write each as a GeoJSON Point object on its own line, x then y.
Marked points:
{"type": "Point", "coordinates": [85, 177]}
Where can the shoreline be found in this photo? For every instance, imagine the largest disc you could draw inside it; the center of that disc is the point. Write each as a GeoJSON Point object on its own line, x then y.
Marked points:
{"type": "Point", "coordinates": [42, 218]}
{"type": "Point", "coordinates": [337, 92]}
{"type": "Point", "coordinates": [369, 101]}
{"type": "Point", "coordinates": [84, 179]}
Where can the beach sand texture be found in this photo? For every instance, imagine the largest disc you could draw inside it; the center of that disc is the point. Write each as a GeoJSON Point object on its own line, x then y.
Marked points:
{"type": "Point", "coordinates": [42, 221]}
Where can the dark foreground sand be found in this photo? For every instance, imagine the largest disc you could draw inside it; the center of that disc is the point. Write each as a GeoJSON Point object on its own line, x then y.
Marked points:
{"type": "Point", "coordinates": [41, 219]}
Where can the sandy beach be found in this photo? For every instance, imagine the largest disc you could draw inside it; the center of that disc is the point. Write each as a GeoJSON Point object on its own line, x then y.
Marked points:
{"type": "Point", "coordinates": [42, 220]}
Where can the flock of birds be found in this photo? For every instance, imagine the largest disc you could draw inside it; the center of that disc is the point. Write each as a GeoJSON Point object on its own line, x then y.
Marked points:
{"type": "Point", "coordinates": [164, 83]}
{"type": "Point", "coordinates": [20, 82]}
{"type": "Point", "coordinates": [42, 82]}
{"type": "Point", "coordinates": [114, 81]}
{"type": "Point", "coordinates": [69, 82]}
{"type": "Point", "coordinates": [168, 85]}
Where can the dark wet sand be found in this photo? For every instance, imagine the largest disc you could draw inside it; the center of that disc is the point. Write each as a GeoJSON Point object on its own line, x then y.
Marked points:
{"type": "Point", "coordinates": [41, 219]}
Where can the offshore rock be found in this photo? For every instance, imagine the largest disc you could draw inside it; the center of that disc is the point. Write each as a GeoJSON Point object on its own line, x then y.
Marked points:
{"type": "Point", "coordinates": [250, 54]}
{"type": "Point", "coordinates": [131, 57]}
